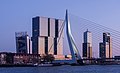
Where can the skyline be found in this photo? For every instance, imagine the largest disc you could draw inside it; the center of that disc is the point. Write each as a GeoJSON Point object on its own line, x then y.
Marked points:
{"type": "Point", "coordinates": [17, 15]}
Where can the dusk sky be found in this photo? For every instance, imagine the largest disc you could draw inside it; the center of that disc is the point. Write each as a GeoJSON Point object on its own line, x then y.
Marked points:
{"type": "Point", "coordinates": [16, 15]}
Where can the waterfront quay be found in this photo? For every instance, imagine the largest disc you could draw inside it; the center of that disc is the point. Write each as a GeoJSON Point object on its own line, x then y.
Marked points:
{"type": "Point", "coordinates": [30, 60]}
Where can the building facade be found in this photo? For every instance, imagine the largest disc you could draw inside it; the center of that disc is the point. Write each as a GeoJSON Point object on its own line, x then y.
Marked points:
{"type": "Point", "coordinates": [106, 46]}
{"type": "Point", "coordinates": [101, 50]}
{"type": "Point", "coordinates": [23, 43]}
{"type": "Point", "coordinates": [87, 45]}
{"type": "Point", "coordinates": [47, 37]}
{"type": "Point", "coordinates": [19, 58]}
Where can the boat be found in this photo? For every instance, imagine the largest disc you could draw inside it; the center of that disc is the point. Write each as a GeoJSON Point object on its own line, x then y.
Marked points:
{"type": "Point", "coordinates": [45, 65]}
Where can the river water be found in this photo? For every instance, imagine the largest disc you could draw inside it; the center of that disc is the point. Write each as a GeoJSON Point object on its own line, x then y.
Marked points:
{"type": "Point", "coordinates": [64, 69]}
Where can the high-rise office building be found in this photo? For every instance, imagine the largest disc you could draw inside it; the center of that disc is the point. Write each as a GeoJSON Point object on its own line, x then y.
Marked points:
{"type": "Point", "coordinates": [23, 43]}
{"type": "Point", "coordinates": [101, 50]}
{"type": "Point", "coordinates": [106, 46]}
{"type": "Point", "coordinates": [87, 45]}
{"type": "Point", "coordinates": [47, 37]}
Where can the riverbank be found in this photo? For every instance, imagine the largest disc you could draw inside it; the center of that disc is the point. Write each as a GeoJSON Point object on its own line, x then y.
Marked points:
{"type": "Point", "coordinates": [45, 65]}
{"type": "Point", "coordinates": [16, 65]}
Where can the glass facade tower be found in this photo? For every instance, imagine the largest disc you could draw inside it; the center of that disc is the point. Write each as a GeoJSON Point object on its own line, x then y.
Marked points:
{"type": "Point", "coordinates": [106, 46]}
{"type": "Point", "coordinates": [87, 45]}
{"type": "Point", "coordinates": [23, 43]}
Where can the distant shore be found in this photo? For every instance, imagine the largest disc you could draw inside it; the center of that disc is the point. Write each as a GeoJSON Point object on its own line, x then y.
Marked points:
{"type": "Point", "coordinates": [16, 65]}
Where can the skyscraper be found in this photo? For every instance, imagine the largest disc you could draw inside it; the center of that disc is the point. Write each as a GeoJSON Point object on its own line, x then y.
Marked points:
{"type": "Point", "coordinates": [47, 37]}
{"type": "Point", "coordinates": [101, 50]}
{"type": "Point", "coordinates": [23, 43]}
{"type": "Point", "coordinates": [106, 50]}
{"type": "Point", "coordinates": [87, 45]}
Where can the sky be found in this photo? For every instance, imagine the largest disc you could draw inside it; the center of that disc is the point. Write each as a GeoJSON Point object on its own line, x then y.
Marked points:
{"type": "Point", "coordinates": [16, 15]}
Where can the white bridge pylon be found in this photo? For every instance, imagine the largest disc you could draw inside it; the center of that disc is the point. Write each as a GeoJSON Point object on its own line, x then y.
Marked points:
{"type": "Point", "coordinates": [73, 48]}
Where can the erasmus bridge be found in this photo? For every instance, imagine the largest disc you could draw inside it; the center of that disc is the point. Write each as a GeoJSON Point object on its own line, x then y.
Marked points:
{"type": "Point", "coordinates": [75, 37]}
